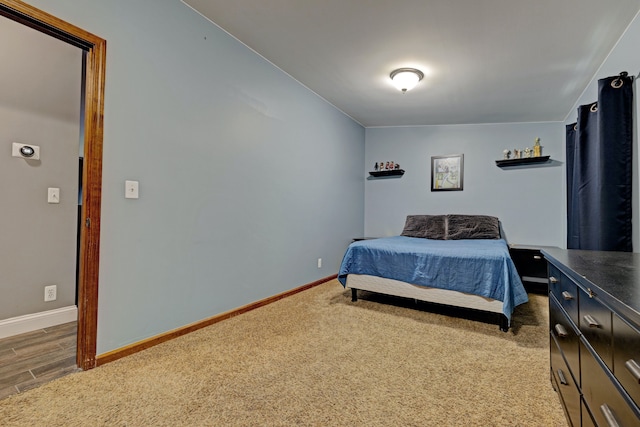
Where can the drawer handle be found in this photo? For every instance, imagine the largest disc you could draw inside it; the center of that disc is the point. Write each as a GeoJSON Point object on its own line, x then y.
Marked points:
{"type": "Point", "coordinates": [608, 416]}
{"type": "Point", "coordinates": [563, 379]}
{"type": "Point", "coordinates": [537, 257]}
{"type": "Point", "coordinates": [560, 330]}
{"type": "Point", "coordinates": [553, 279]}
{"type": "Point", "coordinates": [566, 295]}
{"type": "Point", "coordinates": [591, 293]}
{"type": "Point", "coordinates": [593, 323]}
{"type": "Point", "coordinates": [633, 368]}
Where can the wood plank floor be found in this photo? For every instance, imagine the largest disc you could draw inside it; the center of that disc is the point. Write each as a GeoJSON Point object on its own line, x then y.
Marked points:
{"type": "Point", "coordinates": [35, 358]}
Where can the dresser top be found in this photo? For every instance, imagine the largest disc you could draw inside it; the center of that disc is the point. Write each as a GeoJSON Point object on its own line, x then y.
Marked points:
{"type": "Point", "coordinates": [615, 273]}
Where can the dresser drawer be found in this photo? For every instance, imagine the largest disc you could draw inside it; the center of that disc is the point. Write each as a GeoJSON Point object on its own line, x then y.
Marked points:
{"type": "Point", "coordinates": [565, 336]}
{"type": "Point", "coordinates": [604, 399]}
{"type": "Point", "coordinates": [565, 384]}
{"type": "Point", "coordinates": [595, 325]}
{"type": "Point", "coordinates": [566, 292]}
{"type": "Point", "coordinates": [626, 361]}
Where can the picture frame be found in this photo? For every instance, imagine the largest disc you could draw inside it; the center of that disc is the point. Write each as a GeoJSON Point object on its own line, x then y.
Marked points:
{"type": "Point", "coordinates": [447, 172]}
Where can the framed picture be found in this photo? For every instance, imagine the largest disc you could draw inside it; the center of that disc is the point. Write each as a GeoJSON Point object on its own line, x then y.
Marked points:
{"type": "Point", "coordinates": [447, 172]}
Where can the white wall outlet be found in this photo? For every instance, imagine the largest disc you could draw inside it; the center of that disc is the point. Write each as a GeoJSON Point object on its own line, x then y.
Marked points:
{"type": "Point", "coordinates": [50, 293]}
{"type": "Point", "coordinates": [131, 189]}
{"type": "Point", "coordinates": [53, 195]}
{"type": "Point", "coordinates": [319, 262]}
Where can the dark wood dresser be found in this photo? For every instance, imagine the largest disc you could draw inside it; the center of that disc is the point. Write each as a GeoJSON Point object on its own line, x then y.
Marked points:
{"type": "Point", "coordinates": [594, 333]}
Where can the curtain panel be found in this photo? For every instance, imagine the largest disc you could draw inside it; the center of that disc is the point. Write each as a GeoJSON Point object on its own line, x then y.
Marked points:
{"type": "Point", "coordinates": [599, 168]}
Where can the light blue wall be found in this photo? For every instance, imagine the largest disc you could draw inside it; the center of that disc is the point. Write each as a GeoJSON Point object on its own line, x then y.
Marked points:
{"type": "Point", "coordinates": [530, 202]}
{"type": "Point", "coordinates": [624, 57]}
{"type": "Point", "coordinates": [246, 177]}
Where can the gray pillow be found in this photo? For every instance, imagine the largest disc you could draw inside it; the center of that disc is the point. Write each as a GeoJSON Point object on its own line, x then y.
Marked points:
{"type": "Point", "coordinates": [425, 226]}
{"type": "Point", "coordinates": [472, 227]}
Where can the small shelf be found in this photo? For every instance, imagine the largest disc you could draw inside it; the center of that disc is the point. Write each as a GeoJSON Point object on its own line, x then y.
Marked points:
{"type": "Point", "coordinates": [525, 161]}
{"type": "Point", "coordinates": [394, 172]}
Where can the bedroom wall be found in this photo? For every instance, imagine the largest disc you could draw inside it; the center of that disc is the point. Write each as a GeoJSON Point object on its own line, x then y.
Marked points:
{"type": "Point", "coordinates": [623, 57]}
{"type": "Point", "coordinates": [37, 239]}
{"type": "Point", "coordinates": [246, 177]}
{"type": "Point", "coordinates": [38, 244]}
{"type": "Point", "coordinates": [529, 201]}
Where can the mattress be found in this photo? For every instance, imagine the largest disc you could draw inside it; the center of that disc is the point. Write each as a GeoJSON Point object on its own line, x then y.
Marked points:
{"type": "Point", "coordinates": [422, 293]}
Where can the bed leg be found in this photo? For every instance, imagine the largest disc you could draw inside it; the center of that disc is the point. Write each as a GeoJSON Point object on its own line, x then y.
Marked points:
{"type": "Point", "coordinates": [504, 323]}
{"type": "Point", "coordinates": [354, 295]}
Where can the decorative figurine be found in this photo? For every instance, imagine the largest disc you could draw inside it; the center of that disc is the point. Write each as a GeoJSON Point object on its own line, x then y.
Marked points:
{"type": "Point", "coordinates": [386, 166]}
{"type": "Point", "coordinates": [381, 166]}
{"type": "Point", "coordinates": [537, 148]}
{"type": "Point", "coordinates": [397, 166]}
{"type": "Point", "coordinates": [506, 154]}
{"type": "Point", "coordinates": [516, 153]}
{"type": "Point", "coordinates": [375, 167]}
{"type": "Point", "coordinates": [527, 152]}
{"type": "Point", "coordinates": [391, 165]}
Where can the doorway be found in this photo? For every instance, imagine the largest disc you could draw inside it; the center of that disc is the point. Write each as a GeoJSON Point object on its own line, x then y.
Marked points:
{"type": "Point", "coordinates": [89, 245]}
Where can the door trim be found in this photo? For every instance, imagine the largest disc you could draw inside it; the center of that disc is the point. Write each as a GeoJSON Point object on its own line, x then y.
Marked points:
{"type": "Point", "coordinates": [89, 256]}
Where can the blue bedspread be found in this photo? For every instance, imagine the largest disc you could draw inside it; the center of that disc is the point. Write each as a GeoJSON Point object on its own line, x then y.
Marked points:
{"type": "Point", "coordinates": [481, 267]}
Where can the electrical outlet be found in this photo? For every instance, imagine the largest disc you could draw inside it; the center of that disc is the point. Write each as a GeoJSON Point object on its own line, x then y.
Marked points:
{"type": "Point", "coordinates": [319, 262]}
{"type": "Point", "coordinates": [50, 293]}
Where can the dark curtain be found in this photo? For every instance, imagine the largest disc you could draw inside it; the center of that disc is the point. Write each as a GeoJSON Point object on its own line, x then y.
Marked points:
{"type": "Point", "coordinates": [599, 169]}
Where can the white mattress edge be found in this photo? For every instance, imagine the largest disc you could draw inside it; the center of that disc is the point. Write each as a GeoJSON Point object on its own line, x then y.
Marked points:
{"type": "Point", "coordinates": [422, 293]}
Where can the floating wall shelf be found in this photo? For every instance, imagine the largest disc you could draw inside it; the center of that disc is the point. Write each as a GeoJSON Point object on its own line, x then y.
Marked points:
{"type": "Point", "coordinates": [394, 172]}
{"type": "Point", "coordinates": [519, 162]}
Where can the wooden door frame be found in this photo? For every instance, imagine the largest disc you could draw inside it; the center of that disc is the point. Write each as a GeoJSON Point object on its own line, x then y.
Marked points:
{"type": "Point", "coordinates": [95, 62]}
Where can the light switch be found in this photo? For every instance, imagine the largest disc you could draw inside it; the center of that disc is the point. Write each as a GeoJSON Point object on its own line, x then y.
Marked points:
{"type": "Point", "coordinates": [131, 189]}
{"type": "Point", "coordinates": [53, 195]}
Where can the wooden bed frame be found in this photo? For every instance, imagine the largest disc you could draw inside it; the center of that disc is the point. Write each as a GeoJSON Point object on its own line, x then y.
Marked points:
{"type": "Point", "coordinates": [424, 293]}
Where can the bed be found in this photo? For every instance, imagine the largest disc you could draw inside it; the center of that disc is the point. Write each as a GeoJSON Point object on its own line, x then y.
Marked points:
{"type": "Point", "coordinates": [458, 260]}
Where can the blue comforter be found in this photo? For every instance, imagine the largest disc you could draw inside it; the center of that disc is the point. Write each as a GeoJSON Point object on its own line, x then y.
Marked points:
{"type": "Point", "coordinates": [480, 267]}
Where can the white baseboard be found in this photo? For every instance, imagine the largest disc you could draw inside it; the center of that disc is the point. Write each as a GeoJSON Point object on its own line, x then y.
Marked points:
{"type": "Point", "coordinates": [32, 322]}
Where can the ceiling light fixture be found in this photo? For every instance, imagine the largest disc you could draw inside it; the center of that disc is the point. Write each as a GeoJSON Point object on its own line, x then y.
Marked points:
{"type": "Point", "coordinates": [406, 78]}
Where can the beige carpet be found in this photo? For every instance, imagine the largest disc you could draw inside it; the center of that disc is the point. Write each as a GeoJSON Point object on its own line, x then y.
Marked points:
{"type": "Point", "coordinates": [317, 359]}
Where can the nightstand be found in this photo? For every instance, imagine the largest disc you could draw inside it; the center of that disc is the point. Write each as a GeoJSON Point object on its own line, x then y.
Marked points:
{"type": "Point", "coordinates": [531, 266]}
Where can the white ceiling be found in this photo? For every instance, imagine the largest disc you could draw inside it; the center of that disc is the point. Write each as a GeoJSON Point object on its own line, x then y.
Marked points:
{"type": "Point", "coordinates": [488, 61]}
